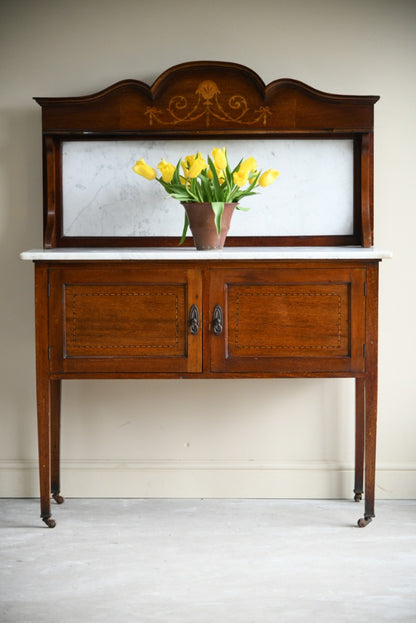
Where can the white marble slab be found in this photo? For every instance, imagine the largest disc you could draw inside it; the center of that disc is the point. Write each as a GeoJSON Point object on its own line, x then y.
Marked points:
{"type": "Point", "coordinates": [102, 196]}
{"type": "Point", "coordinates": [228, 253]}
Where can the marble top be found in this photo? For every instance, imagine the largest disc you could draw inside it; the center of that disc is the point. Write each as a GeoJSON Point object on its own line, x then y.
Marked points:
{"type": "Point", "coordinates": [189, 253]}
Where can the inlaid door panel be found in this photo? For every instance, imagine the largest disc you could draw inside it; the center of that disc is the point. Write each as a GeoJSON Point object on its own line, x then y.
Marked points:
{"type": "Point", "coordinates": [134, 320]}
{"type": "Point", "coordinates": [288, 320]}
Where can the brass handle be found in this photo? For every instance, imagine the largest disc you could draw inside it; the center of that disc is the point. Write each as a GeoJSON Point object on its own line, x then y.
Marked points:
{"type": "Point", "coordinates": [194, 320]}
{"type": "Point", "coordinates": [217, 320]}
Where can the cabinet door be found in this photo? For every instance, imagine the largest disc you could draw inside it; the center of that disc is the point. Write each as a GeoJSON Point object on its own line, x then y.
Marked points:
{"type": "Point", "coordinates": [289, 320]}
{"type": "Point", "coordinates": [130, 319]}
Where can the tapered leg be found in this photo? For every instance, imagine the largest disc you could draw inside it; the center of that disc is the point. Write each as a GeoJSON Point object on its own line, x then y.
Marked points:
{"type": "Point", "coordinates": [46, 391]}
{"type": "Point", "coordinates": [370, 393]}
{"type": "Point", "coordinates": [44, 445]}
{"type": "Point", "coordinates": [370, 444]}
{"type": "Point", "coordinates": [56, 440]}
{"type": "Point", "coordinates": [359, 438]}
{"type": "Point", "coordinates": [370, 449]}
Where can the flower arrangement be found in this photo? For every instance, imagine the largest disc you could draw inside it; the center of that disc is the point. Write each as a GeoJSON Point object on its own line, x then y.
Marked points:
{"type": "Point", "coordinates": [213, 181]}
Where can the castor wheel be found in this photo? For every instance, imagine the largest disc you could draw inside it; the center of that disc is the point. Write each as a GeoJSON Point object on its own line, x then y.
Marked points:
{"type": "Point", "coordinates": [364, 521]}
{"type": "Point", "coordinates": [51, 523]}
{"type": "Point", "coordinates": [58, 498]}
{"type": "Point", "coordinates": [358, 497]}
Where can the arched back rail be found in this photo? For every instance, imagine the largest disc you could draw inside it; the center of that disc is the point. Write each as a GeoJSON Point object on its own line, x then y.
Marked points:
{"type": "Point", "coordinates": [202, 104]}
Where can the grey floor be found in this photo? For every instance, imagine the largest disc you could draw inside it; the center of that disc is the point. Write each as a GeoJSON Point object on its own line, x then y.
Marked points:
{"type": "Point", "coordinates": [207, 561]}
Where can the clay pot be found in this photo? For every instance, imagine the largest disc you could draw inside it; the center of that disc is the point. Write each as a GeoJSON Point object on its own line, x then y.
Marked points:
{"type": "Point", "coordinates": [202, 224]}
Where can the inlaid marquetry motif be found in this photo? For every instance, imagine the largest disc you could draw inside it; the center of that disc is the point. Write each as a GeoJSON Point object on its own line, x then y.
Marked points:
{"type": "Point", "coordinates": [301, 319]}
{"type": "Point", "coordinates": [128, 320]}
{"type": "Point", "coordinates": [208, 104]}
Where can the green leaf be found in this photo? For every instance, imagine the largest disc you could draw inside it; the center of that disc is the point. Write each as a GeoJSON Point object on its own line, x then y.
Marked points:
{"type": "Point", "coordinates": [216, 182]}
{"type": "Point", "coordinates": [229, 177]}
{"type": "Point", "coordinates": [206, 187]}
{"type": "Point", "coordinates": [236, 168]}
{"type": "Point", "coordinates": [180, 196]}
{"type": "Point", "coordinates": [244, 193]}
{"type": "Point", "coordinates": [195, 190]}
{"type": "Point", "coordinates": [185, 229]}
{"type": "Point", "coordinates": [176, 176]}
{"type": "Point", "coordinates": [218, 209]}
{"type": "Point", "coordinates": [254, 180]}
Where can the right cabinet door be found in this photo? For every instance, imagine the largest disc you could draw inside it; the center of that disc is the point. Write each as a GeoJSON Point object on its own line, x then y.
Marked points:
{"type": "Point", "coordinates": [288, 320]}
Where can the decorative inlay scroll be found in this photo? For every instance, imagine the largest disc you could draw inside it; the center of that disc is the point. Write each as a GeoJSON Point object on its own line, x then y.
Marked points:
{"type": "Point", "coordinates": [208, 104]}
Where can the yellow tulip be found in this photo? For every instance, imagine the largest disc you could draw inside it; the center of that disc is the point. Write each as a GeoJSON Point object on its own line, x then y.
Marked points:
{"type": "Point", "coordinates": [188, 162]}
{"type": "Point", "coordinates": [248, 165]}
{"type": "Point", "coordinates": [240, 177]}
{"type": "Point", "coordinates": [184, 167]}
{"type": "Point", "coordinates": [143, 169]}
{"type": "Point", "coordinates": [167, 169]}
{"type": "Point", "coordinates": [196, 167]}
{"type": "Point", "coordinates": [268, 177]}
{"type": "Point", "coordinates": [189, 159]}
{"type": "Point", "coordinates": [220, 158]}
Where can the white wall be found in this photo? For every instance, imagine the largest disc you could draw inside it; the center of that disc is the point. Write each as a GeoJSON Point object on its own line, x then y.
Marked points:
{"type": "Point", "coordinates": [291, 438]}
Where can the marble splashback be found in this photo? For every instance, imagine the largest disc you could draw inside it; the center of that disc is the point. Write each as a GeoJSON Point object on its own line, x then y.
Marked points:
{"type": "Point", "coordinates": [102, 196]}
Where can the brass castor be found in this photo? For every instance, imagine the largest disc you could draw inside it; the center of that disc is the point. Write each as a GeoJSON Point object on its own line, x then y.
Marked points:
{"type": "Point", "coordinates": [364, 521]}
{"type": "Point", "coordinates": [358, 496]}
{"type": "Point", "coordinates": [58, 498]}
{"type": "Point", "coordinates": [51, 523]}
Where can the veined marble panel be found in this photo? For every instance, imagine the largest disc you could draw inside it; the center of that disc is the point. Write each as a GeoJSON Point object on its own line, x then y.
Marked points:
{"type": "Point", "coordinates": [102, 196]}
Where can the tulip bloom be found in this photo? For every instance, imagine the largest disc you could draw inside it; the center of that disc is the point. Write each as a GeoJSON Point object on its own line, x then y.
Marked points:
{"type": "Point", "coordinates": [240, 177]}
{"type": "Point", "coordinates": [220, 158]}
{"type": "Point", "coordinates": [186, 164]}
{"type": "Point", "coordinates": [197, 167]}
{"type": "Point", "coordinates": [143, 169]}
{"type": "Point", "coordinates": [167, 169]}
{"type": "Point", "coordinates": [268, 177]}
{"type": "Point", "coordinates": [190, 161]}
{"type": "Point", "coordinates": [248, 165]}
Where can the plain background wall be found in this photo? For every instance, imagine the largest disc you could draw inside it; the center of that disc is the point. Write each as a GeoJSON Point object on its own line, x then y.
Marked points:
{"type": "Point", "coordinates": [291, 438]}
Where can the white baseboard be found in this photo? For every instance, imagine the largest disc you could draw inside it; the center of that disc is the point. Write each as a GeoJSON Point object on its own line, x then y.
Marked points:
{"type": "Point", "coordinates": [207, 479]}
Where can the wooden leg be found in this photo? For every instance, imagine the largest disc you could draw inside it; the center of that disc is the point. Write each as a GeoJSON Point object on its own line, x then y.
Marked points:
{"type": "Point", "coordinates": [359, 438]}
{"type": "Point", "coordinates": [44, 444]}
{"type": "Point", "coordinates": [370, 447]}
{"type": "Point", "coordinates": [56, 440]}
{"type": "Point", "coordinates": [46, 392]}
{"type": "Point", "coordinates": [370, 402]}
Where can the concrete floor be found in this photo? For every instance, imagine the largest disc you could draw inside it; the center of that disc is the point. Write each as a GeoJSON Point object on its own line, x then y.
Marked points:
{"type": "Point", "coordinates": [207, 561]}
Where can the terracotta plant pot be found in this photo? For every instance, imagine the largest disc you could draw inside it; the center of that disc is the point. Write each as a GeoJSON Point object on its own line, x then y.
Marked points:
{"type": "Point", "coordinates": [202, 224]}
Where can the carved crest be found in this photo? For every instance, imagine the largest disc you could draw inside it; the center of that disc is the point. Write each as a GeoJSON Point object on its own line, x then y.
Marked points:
{"type": "Point", "coordinates": [208, 104]}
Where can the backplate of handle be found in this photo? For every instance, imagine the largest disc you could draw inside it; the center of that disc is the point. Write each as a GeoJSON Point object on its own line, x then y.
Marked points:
{"type": "Point", "coordinates": [194, 320]}
{"type": "Point", "coordinates": [217, 320]}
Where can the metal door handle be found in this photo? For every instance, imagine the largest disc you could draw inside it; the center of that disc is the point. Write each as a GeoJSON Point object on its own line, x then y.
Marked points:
{"type": "Point", "coordinates": [217, 320]}
{"type": "Point", "coordinates": [193, 320]}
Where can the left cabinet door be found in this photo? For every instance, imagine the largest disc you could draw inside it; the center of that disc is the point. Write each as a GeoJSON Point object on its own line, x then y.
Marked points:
{"type": "Point", "coordinates": [135, 318]}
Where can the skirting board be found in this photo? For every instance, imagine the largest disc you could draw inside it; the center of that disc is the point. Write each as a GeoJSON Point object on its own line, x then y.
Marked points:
{"type": "Point", "coordinates": [206, 479]}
